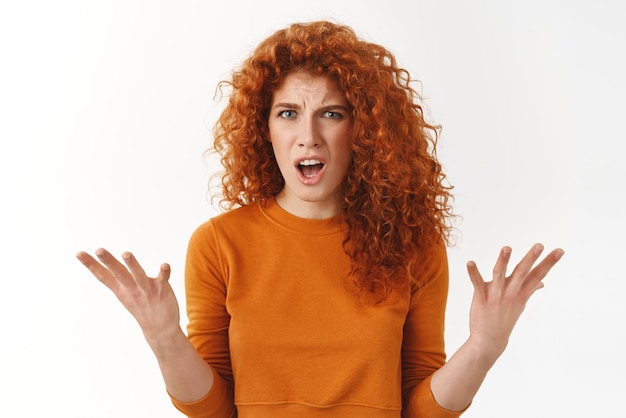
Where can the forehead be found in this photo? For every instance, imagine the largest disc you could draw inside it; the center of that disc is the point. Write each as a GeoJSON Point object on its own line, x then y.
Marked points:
{"type": "Point", "coordinates": [305, 85]}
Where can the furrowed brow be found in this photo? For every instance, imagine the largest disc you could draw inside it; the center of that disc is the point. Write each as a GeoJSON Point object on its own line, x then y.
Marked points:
{"type": "Point", "coordinates": [334, 107]}
{"type": "Point", "coordinates": [286, 105]}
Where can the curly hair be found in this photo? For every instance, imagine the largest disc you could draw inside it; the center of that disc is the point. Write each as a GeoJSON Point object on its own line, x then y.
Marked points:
{"type": "Point", "coordinates": [396, 199]}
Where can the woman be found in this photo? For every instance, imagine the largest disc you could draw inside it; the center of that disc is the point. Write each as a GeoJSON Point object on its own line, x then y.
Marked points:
{"type": "Point", "coordinates": [322, 291]}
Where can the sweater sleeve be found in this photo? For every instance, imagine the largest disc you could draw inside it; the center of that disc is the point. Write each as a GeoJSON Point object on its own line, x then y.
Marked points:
{"type": "Point", "coordinates": [423, 350]}
{"type": "Point", "coordinates": [205, 288]}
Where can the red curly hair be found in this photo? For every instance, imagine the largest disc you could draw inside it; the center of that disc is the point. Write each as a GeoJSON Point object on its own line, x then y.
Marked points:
{"type": "Point", "coordinates": [396, 202]}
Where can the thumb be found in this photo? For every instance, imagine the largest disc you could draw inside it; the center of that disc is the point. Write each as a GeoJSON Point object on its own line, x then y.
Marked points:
{"type": "Point", "coordinates": [164, 272]}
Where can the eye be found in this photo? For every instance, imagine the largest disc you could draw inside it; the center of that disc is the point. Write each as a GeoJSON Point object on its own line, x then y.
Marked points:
{"type": "Point", "coordinates": [287, 114]}
{"type": "Point", "coordinates": [332, 115]}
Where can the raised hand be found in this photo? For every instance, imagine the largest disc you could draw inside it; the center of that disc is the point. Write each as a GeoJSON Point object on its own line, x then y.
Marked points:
{"type": "Point", "coordinates": [498, 304]}
{"type": "Point", "coordinates": [151, 301]}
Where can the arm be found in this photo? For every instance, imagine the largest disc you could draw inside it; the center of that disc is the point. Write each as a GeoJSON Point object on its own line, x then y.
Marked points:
{"type": "Point", "coordinates": [153, 304]}
{"type": "Point", "coordinates": [423, 350]}
{"type": "Point", "coordinates": [496, 307]}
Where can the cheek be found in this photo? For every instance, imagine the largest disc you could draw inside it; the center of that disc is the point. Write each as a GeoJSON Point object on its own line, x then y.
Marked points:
{"type": "Point", "coordinates": [273, 130]}
{"type": "Point", "coordinates": [281, 153]}
{"type": "Point", "coordinates": [347, 144]}
{"type": "Point", "coordinates": [277, 136]}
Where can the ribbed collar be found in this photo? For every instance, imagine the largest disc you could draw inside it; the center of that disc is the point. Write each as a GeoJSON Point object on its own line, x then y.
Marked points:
{"type": "Point", "coordinates": [280, 216]}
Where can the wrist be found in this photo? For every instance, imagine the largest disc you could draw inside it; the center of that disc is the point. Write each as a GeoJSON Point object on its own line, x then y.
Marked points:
{"type": "Point", "coordinates": [164, 341]}
{"type": "Point", "coordinates": [485, 351]}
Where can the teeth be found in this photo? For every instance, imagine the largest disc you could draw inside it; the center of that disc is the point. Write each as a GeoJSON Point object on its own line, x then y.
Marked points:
{"type": "Point", "coordinates": [310, 162]}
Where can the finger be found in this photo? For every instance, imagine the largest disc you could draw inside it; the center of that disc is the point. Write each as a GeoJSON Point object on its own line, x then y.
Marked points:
{"type": "Point", "coordinates": [98, 270]}
{"type": "Point", "coordinates": [85, 259]}
{"type": "Point", "coordinates": [538, 286]}
{"type": "Point", "coordinates": [524, 266]}
{"type": "Point", "coordinates": [499, 270]}
{"type": "Point", "coordinates": [135, 268]}
{"type": "Point", "coordinates": [539, 272]}
{"type": "Point", "coordinates": [474, 274]}
{"type": "Point", "coordinates": [164, 273]}
{"type": "Point", "coordinates": [117, 269]}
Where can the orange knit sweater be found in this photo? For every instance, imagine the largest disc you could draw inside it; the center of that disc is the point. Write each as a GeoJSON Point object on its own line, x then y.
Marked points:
{"type": "Point", "coordinates": [272, 309]}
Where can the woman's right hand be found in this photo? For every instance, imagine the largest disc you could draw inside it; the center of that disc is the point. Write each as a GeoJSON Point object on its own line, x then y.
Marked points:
{"type": "Point", "coordinates": [151, 301]}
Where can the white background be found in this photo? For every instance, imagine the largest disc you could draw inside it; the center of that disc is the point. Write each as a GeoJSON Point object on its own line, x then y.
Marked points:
{"type": "Point", "coordinates": [106, 109]}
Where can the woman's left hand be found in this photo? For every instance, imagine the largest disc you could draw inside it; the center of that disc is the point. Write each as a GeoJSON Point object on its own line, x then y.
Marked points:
{"type": "Point", "coordinates": [498, 304]}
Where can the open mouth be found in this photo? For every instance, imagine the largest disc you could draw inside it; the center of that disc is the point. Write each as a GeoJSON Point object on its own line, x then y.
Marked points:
{"type": "Point", "coordinates": [310, 168]}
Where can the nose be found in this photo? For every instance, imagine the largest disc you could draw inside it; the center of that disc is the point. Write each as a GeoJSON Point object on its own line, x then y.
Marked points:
{"type": "Point", "coordinates": [308, 135]}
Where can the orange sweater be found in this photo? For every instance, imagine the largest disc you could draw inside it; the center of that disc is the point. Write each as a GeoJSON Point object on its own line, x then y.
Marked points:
{"type": "Point", "coordinates": [272, 310]}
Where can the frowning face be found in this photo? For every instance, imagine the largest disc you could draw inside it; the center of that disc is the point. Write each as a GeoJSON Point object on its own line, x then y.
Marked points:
{"type": "Point", "coordinates": [310, 128]}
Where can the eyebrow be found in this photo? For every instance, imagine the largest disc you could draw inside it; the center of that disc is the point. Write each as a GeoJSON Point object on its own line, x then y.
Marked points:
{"type": "Point", "coordinates": [297, 106]}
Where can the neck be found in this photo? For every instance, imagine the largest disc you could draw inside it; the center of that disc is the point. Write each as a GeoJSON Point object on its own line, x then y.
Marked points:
{"type": "Point", "coordinates": [308, 210]}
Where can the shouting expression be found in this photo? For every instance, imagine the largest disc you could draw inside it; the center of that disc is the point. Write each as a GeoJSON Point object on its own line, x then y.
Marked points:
{"type": "Point", "coordinates": [310, 128]}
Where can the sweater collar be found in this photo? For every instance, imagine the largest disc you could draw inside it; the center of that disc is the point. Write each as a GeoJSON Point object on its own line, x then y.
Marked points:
{"type": "Point", "coordinates": [280, 216]}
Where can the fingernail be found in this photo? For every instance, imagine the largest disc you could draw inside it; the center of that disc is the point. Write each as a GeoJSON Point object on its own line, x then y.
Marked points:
{"type": "Point", "coordinates": [559, 254]}
{"type": "Point", "coordinates": [538, 248]}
